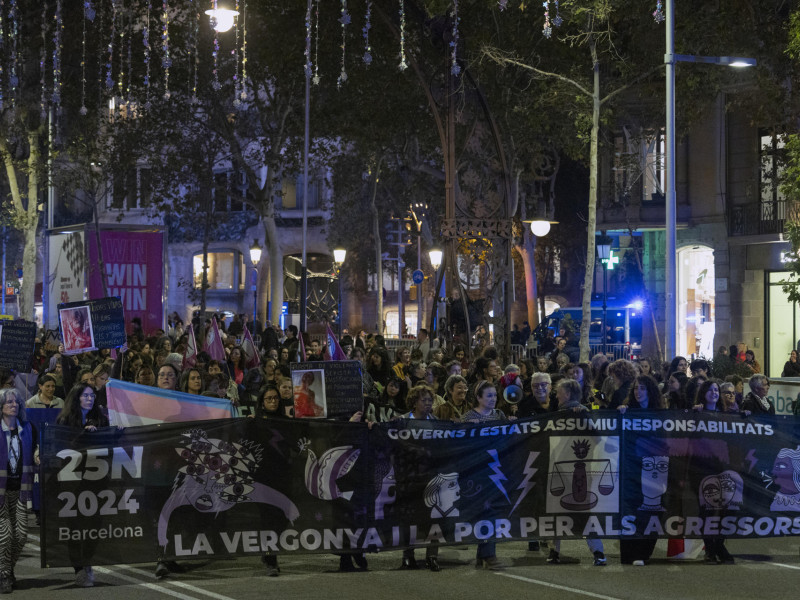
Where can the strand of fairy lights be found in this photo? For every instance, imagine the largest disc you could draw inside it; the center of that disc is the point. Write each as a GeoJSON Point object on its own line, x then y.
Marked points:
{"type": "Point", "coordinates": [307, 52]}
{"type": "Point", "coordinates": [2, 43]}
{"type": "Point", "coordinates": [243, 93]}
{"type": "Point", "coordinates": [345, 21]}
{"type": "Point", "coordinates": [196, 55]}
{"type": "Point", "coordinates": [316, 44]}
{"type": "Point", "coordinates": [147, 49]}
{"type": "Point", "coordinates": [235, 52]}
{"type": "Point", "coordinates": [215, 54]}
{"type": "Point", "coordinates": [455, 69]}
{"type": "Point", "coordinates": [403, 65]}
{"type": "Point", "coordinates": [110, 58]}
{"type": "Point", "coordinates": [12, 80]}
{"type": "Point", "coordinates": [58, 37]}
{"type": "Point", "coordinates": [166, 61]}
{"type": "Point", "coordinates": [121, 52]}
{"type": "Point", "coordinates": [367, 57]}
{"type": "Point", "coordinates": [42, 64]}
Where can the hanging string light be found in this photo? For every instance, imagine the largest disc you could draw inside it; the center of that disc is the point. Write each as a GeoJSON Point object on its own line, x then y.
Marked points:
{"type": "Point", "coordinates": [215, 52]}
{"type": "Point", "coordinates": [455, 69]}
{"type": "Point", "coordinates": [367, 58]}
{"type": "Point", "coordinates": [13, 80]}
{"type": "Point", "coordinates": [402, 66]}
{"type": "Point", "coordinates": [130, 63]}
{"type": "Point", "coordinates": [121, 70]}
{"type": "Point", "coordinates": [547, 30]}
{"type": "Point", "coordinates": [243, 93]}
{"type": "Point", "coordinates": [2, 43]}
{"type": "Point", "coordinates": [166, 61]}
{"type": "Point", "coordinates": [658, 14]}
{"type": "Point", "coordinates": [316, 47]}
{"type": "Point", "coordinates": [57, 38]}
{"type": "Point", "coordinates": [195, 51]}
{"type": "Point", "coordinates": [88, 15]}
{"type": "Point", "coordinates": [235, 52]}
{"type": "Point", "coordinates": [110, 58]}
{"type": "Point", "coordinates": [42, 62]}
{"type": "Point", "coordinates": [503, 4]}
{"type": "Point", "coordinates": [558, 20]}
{"type": "Point", "coordinates": [345, 21]}
{"type": "Point", "coordinates": [146, 43]}
{"type": "Point", "coordinates": [307, 52]}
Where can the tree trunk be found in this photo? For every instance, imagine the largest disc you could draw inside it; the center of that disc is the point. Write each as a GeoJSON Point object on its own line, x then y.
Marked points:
{"type": "Point", "coordinates": [376, 234]}
{"type": "Point", "coordinates": [273, 247]}
{"type": "Point", "coordinates": [592, 210]}
{"type": "Point", "coordinates": [527, 251]}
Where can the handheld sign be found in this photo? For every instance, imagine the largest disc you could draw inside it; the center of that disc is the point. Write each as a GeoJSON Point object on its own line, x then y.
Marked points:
{"type": "Point", "coordinates": [16, 344]}
{"type": "Point", "coordinates": [329, 389]}
{"type": "Point", "coordinates": [92, 324]}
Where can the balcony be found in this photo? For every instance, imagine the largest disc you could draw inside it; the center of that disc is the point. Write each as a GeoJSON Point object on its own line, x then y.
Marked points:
{"type": "Point", "coordinates": [758, 219]}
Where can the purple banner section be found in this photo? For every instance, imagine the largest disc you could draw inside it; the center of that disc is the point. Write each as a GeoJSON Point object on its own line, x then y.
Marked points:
{"type": "Point", "coordinates": [133, 267]}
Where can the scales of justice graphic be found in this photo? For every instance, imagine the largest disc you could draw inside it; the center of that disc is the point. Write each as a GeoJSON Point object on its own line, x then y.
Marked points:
{"type": "Point", "coordinates": [581, 497]}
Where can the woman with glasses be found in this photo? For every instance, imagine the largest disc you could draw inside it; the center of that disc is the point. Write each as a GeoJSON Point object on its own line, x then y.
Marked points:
{"type": "Point", "coordinates": [17, 460]}
{"type": "Point", "coordinates": [167, 377]}
{"type": "Point", "coordinates": [81, 412]}
{"type": "Point", "coordinates": [727, 396]}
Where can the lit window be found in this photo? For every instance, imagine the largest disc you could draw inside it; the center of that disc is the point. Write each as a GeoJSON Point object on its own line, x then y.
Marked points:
{"type": "Point", "coordinates": [221, 271]}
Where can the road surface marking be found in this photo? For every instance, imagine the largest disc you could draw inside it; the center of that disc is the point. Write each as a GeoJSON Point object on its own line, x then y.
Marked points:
{"type": "Point", "coordinates": [786, 566]}
{"type": "Point", "coordinates": [179, 584]}
{"type": "Point", "coordinates": [557, 587]}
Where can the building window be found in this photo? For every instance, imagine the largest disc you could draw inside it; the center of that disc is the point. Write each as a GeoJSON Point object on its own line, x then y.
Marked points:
{"type": "Point", "coordinates": [225, 270]}
{"type": "Point", "coordinates": [639, 165]}
{"type": "Point", "coordinates": [132, 190]}
{"type": "Point", "coordinates": [292, 193]}
{"type": "Point", "coordinates": [772, 165]}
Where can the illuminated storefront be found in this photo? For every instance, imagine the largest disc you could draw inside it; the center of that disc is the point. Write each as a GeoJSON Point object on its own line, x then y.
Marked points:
{"type": "Point", "coordinates": [696, 301]}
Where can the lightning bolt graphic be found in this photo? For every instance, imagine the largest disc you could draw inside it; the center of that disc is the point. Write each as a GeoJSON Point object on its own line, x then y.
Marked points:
{"type": "Point", "coordinates": [526, 485]}
{"type": "Point", "coordinates": [751, 458]}
{"type": "Point", "coordinates": [498, 474]}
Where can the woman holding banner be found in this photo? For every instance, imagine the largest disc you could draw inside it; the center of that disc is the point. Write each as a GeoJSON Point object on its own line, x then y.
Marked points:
{"type": "Point", "coordinates": [81, 412]}
{"type": "Point", "coordinates": [16, 485]}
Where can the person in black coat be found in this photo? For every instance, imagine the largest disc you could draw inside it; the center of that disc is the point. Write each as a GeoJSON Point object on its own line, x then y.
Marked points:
{"type": "Point", "coordinates": [792, 367]}
{"type": "Point", "coordinates": [756, 402]}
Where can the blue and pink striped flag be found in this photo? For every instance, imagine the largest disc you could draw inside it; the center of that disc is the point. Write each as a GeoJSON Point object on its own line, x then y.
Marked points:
{"type": "Point", "coordinates": [131, 404]}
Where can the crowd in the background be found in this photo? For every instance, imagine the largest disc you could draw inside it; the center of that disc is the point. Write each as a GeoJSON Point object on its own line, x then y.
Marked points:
{"type": "Point", "coordinates": [419, 379]}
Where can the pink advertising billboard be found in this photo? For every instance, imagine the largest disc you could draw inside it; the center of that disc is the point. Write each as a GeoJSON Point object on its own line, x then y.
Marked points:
{"type": "Point", "coordinates": [133, 266]}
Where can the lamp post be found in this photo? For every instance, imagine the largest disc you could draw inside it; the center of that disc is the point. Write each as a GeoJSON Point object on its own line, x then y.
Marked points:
{"type": "Point", "coordinates": [435, 254]}
{"type": "Point", "coordinates": [670, 275]}
{"type": "Point", "coordinates": [339, 254]}
{"type": "Point", "coordinates": [603, 244]}
{"type": "Point", "coordinates": [255, 258]}
{"type": "Point", "coordinates": [418, 210]}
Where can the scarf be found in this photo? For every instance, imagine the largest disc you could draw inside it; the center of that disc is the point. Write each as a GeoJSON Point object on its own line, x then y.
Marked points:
{"type": "Point", "coordinates": [26, 487]}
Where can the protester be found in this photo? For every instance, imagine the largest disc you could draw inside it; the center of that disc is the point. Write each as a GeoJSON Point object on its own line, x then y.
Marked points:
{"type": "Point", "coordinates": [16, 485]}
{"type": "Point", "coordinates": [756, 401]}
{"type": "Point", "coordinates": [46, 397]}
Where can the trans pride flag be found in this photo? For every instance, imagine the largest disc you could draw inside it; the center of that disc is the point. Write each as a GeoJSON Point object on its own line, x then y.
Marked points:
{"type": "Point", "coordinates": [131, 404]}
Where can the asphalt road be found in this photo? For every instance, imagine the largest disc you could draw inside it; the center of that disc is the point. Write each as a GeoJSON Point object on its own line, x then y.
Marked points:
{"type": "Point", "coordinates": [768, 568]}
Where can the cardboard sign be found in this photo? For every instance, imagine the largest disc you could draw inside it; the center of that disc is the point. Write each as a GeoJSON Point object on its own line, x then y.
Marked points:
{"type": "Point", "coordinates": [16, 344]}
{"type": "Point", "coordinates": [92, 324]}
{"type": "Point", "coordinates": [329, 389]}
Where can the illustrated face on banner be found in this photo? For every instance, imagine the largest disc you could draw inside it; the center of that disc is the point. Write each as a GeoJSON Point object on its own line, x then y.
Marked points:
{"type": "Point", "coordinates": [218, 474]}
{"type": "Point", "coordinates": [441, 494]}
{"type": "Point", "coordinates": [655, 471]}
{"type": "Point", "coordinates": [723, 490]}
{"type": "Point", "coordinates": [786, 471]}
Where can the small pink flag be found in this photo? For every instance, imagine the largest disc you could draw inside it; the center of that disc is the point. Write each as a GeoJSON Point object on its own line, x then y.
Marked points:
{"type": "Point", "coordinates": [251, 357]}
{"type": "Point", "coordinates": [213, 343]}
{"type": "Point", "coordinates": [190, 356]}
{"type": "Point", "coordinates": [333, 351]}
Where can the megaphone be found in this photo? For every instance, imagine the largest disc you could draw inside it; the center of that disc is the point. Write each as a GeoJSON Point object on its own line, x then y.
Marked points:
{"type": "Point", "coordinates": [512, 394]}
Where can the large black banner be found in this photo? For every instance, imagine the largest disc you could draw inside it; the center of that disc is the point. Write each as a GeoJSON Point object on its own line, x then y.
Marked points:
{"type": "Point", "coordinates": [246, 486]}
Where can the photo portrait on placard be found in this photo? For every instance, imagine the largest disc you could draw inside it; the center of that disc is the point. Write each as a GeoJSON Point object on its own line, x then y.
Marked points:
{"type": "Point", "coordinates": [309, 393]}
{"type": "Point", "coordinates": [76, 329]}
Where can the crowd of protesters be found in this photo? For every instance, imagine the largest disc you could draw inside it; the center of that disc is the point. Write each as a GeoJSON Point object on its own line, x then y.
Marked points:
{"type": "Point", "coordinates": [420, 380]}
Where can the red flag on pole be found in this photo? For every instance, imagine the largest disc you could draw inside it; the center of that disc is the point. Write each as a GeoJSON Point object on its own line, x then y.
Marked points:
{"type": "Point", "coordinates": [190, 356]}
{"type": "Point", "coordinates": [251, 357]}
{"type": "Point", "coordinates": [213, 343]}
{"type": "Point", "coordinates": [333, 351]}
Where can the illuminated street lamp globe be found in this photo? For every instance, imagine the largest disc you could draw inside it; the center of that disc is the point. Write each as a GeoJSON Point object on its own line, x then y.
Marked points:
{"type": "Point", "coordinates": [540, 228]}
{"type": "Point", "coordinates": [339, 255]}
{"type": "Point", "coordinates": [435, 255]}
{"type": "Point", "coordinates": [255, 253]}
{"type": "Point", "coordinates": [222, 18]}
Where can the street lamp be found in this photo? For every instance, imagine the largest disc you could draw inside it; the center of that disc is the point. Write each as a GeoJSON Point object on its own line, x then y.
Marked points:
{"type": "Point", "coordinates": [418, 211]}
{"type": "Point", "coordinates": [339, 254]}
{"type": "Point", "coordinates": [670, 58]}
{"type": "Point", "coordinates": [603, 244]}
{"type": "Point", "coordinates": [221, 18]}
{"type": "Point", "coordinates": [255, 258]}
{"type": "Point", "coordinates": [435, 255]}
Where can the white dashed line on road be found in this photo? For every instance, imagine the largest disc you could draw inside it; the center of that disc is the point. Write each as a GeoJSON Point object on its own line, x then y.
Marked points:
{"type": "Point", "coordinates": [557, 587]}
